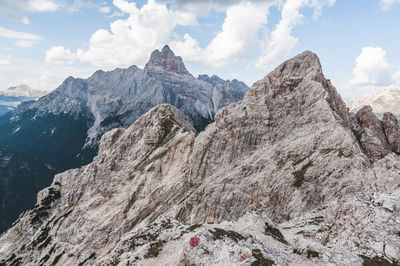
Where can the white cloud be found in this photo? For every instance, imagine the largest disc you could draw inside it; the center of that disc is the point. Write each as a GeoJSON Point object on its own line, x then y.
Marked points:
{"type": "Point", "coordinates": [278, 45]}
{"type": "Point", "coordinates": [234, 40]}
{"type": "Point", "coordinates": [104, 9]}
{"type": "Point", "coordinates": [203, 7]}
{"type": "Point", "coordinates": [60, 55]}
{"type": "Point", "coordinates": [387, 4]}
{"type": "Point", "coordinates": [396, 78]}
{"type": "Point", "coordinates": [17, 9]}
{"type": "Point", "coordinates": [149, 27]}
{"type": "Point", "coordinates": [372, 68]}
{"type": "Point", "coordinates": [24, 43]}
{"type": "Point", "coordinates": [5, 59]}
{"type": "Point", "coordinates": [40, 75]}
{"type": "Point", "coordinates": [133, 39]}
{"type": "Point", "coordinates": [18, 35]}
{"type": "Point", "coordinates": [23, 39]}
{"type": "Point", "coordinates": [41, 5]}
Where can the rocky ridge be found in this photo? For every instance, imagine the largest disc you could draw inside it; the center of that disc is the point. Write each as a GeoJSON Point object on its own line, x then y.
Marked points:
{"type": "Point", "coordinates": [287, 176]}
{"type": "Point", "coordinates": [117, 98]}
{"type": "Point", "coordinates": [66, 125]}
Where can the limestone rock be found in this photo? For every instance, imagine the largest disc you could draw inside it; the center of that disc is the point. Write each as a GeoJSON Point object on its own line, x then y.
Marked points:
{"type": "Point", "coordinates": [280, 176]}
{"type": "Point", "coordinates": [373, 137]}
{"type": "Point", "coordinates": [392, 131]}
{"type": "Point", "coordinates": [166, 60]}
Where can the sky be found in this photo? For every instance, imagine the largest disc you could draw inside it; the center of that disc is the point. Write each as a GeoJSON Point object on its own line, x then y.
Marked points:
{"type": "Point", "coordinates": [42, 42]}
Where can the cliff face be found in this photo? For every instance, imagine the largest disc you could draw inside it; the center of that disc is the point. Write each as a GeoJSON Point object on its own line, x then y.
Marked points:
{"type": "Point", "coordinates": [284, 176]}
{"type": "Point", "coordinates": [66, 125]}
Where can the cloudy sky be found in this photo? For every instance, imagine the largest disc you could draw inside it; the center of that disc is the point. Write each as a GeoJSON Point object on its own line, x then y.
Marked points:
{"type": "Point", "coordinates": [44, 41]}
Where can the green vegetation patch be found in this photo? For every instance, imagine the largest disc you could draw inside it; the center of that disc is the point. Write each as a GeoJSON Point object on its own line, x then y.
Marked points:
{"type": "Point", "coordinates": [167, 126]}
{"type": "Point", "coordinates": [260, 260]}
{"type": "Point", "coordinates": [326, 151]}
{"type": "Point", "coordinates": [316, 220]}
{"type": "Point", "coordinates": [377, 261]}
{"type": "Point", "coordinates": [41, 210]}
{"type": "Point", "coordinates": [65, 215]}
{"type": "Point", "coordinates": [275, 233]}
{"type": "Point", "coordinates": [219, 233]}
{"type": "Point", "coordinates": [312, 254]}
{"type": "Point", "coordinates": [194, 227]}
{"type": "Point", "coordinates": [299, 175]}
{"type": "Point", "coordinates": [154, 250]}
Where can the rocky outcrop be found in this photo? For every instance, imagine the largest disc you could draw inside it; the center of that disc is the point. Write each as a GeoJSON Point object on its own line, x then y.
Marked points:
{"type": "Point", "coordinates": [166, 60]}
{"type": "Point", "coordinates": [373, 136]}
{"type": "Point", "coordinates": [279, 177]}
{"type": "Point", "coordinates": [378, 138]}
{"type": "Point", "coordinates": [392, 131]}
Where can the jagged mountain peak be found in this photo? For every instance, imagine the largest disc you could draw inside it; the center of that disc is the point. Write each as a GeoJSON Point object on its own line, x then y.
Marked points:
{"type": "Point", "coordinates": [291, 72]}
{"type": "Point", "coordinates": [286, 154]}
{"type": "Point", "coordinates": [166, 60]}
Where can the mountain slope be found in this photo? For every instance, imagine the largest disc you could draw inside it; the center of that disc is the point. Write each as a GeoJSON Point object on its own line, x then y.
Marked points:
{"type": "Point", "coordinates": [65, 126]}
{"type": "Point", "coordinates": [283, 176]}
{"type": "Point", "coordinates": [113, 99]}
{"type": "Point", "coordinates": [21, 177]}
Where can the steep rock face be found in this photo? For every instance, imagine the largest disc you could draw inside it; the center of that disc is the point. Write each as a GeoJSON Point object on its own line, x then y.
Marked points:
{"type": "Point", "coordinates": [392, 131]}
{"type": "Point", "coordinates": [167, 60]}
{"type": "Point", "coordinates": [67, 124]}
{"type": "Point", "coordinates": [286, 146]}
{"type": "Point", "coordinates": [277, 178]}
{"type": "Point", "coordinates": [378, 138]}
{"type": "Point", "coordinates": [373, 137]}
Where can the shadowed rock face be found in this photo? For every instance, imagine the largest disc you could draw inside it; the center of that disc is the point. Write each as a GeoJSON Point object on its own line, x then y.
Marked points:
{"type": "Point", "coordinates": [379, 138]}
{"type": "Point", "coordinates": [392, 131]}
{"type": "Point", "coordinates": [285, 154]}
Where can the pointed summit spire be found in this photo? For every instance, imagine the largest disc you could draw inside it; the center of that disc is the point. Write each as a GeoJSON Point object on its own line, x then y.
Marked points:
{"type": "Point", "coordinates": [166, 60]}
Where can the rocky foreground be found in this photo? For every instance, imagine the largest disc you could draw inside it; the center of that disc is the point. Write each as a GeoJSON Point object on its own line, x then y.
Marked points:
{"type": "Point", "coordinates": [287, 176]}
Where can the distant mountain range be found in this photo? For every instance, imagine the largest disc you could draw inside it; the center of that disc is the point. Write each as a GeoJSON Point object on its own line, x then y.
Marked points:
{"type": "Point", "coordinates": [13, 96]}
{"type": "Point", "coordinates": [381, 101]}
{"type": "Point", "coordinates": [66, 125]}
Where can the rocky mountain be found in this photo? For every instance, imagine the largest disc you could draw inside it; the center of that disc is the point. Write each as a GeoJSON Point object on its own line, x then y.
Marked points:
{"type": "Point", "coordinates": [65, 126]}
{"type": "Point", "coordinates": [21, 176]}
{"type": "Point", "coordinates": [286, 176]}
{"type": "Point", "coordinates": [13, 96]}
{"type": "Point", "coordinates": [381, 101]}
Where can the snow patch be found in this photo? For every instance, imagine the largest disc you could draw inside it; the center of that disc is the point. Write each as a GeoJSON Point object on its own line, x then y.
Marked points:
{"type": "Point", "coordinates": [16, 130]}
